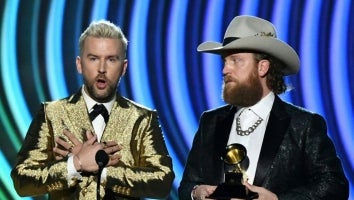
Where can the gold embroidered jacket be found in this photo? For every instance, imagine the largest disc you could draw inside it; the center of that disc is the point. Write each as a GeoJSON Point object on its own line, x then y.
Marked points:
{"type": "Point", "coordinates": [145, 169]}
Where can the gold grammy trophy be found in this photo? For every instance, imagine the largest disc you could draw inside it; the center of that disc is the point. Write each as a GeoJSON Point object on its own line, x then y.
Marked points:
{"type": "Point", "coordinates": [233, 187]}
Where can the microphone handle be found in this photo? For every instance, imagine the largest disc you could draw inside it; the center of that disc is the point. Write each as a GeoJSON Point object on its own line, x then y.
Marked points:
{"type": "Point", "coordinates": [98, 182]}
{"type": "Point", "coordinates": [102, 159]}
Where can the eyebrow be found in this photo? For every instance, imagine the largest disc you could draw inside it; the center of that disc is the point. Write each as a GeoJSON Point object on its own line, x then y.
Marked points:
{"type": "Point", "coordinates": [109, 56]}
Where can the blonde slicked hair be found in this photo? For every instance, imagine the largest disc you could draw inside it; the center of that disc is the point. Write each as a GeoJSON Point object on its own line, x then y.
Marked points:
{"type": "Point", "coordinates": [103, 29]}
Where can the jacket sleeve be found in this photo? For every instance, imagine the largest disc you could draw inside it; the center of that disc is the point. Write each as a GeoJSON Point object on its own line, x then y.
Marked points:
{"type": "Point", "coordinates": [204, 165]}
{"type": "Point", "coordinates": [36, 171]}
{"type": "Point", "coordinates": [191, 174]}
{"type": "Point", "coordinates": [323, 176]}
{"type": "Point", "coordinates": [194, 168]}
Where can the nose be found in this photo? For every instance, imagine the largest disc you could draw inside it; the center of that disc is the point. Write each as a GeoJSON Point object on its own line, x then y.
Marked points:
{"type": "Point", "coordinates": [102, 67]}
{"type": "Point", "coordinates": [226, 68]}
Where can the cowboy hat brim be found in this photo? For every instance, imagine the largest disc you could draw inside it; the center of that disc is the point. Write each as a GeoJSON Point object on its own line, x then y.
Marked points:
{"type": "Point", "coordinates": [269, 45]}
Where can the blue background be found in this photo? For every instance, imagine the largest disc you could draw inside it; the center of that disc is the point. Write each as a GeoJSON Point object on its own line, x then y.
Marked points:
{"type": "Point", "coordinates": [39, 43]}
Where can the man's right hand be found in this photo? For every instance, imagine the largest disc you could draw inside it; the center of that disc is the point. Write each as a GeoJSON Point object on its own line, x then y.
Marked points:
{"type": "Point", "coordinates": [84, 153]}
{"type": "Point", "coordinates": [203, 191]}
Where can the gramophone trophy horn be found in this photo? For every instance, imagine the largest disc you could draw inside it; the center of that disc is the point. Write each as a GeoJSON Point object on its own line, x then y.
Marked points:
{"type": "Point", "coordinates": [232, 187]}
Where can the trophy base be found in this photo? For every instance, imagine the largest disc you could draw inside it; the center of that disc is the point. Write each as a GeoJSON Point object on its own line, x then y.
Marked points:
{"type": "Point", "coordinates": [227, 191]}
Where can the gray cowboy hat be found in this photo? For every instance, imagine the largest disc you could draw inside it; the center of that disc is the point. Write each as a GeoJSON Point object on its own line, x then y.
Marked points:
{"type": "Point", "coordinates": [255, 34]}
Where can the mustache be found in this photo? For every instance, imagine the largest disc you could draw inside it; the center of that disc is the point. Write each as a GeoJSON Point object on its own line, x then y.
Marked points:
{"type": "Point", "coordinates": [101, 77]}
{"type": "Point", "coordinates": [228, 78]}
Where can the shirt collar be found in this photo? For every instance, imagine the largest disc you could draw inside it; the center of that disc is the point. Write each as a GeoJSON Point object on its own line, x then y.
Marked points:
{"type": "Point", "coordinates": [262, 108]}
{"type": "Point", "coordinates": [90, 102]}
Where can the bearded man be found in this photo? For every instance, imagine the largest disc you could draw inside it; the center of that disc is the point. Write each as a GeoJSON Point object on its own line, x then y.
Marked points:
{"type": "Point", "coordinates": [59, 156]}
{"type": "Point", "coordinates": [286, 151]}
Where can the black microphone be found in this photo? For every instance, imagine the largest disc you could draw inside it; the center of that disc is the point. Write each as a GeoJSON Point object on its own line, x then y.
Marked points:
{"type": "Point", "coordinates": [102, 159]}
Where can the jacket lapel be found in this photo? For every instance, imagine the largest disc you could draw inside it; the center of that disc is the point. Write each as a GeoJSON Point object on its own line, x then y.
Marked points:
{"type": "Point", "coordinates": [276, 127]}
{"type": "Point", "coordinates": [223, 128]}
{"type": "Point", "coordinates": [119, 119]}
{"type": "Point", "coordinates": [76, 109]}
{"type": "Point", "coordinates": [218, 141]}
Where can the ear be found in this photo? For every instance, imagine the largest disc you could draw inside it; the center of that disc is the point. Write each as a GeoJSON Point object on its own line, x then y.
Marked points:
{"type": "Point", "coordinates": [263, 67]}
{"type": "Point", "coordinates": [78, 64]}
{"type": "Point", "coordinates": [125, 66]}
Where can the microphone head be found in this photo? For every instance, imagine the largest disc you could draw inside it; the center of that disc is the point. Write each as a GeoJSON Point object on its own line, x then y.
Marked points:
{"type": "Point", "coordinates": [101, 158]}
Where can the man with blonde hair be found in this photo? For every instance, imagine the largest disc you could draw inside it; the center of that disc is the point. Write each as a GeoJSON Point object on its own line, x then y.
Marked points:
{"type": "Point", "coordinates": [62, 153]}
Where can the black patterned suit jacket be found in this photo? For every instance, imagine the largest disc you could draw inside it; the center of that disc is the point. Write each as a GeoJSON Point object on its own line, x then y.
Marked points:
{"type": "Point", "coordinates": [297, 160]}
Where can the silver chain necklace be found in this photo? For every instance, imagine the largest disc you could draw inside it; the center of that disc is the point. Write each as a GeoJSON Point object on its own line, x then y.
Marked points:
{"type": "Point", "coordinates": [250, 129]}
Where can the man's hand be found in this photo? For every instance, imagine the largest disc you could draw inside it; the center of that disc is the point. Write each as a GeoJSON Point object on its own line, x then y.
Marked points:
{"type": "Point", "coordinates": [63, 148]}
{"type": "Point", "coordinates": [201, 192]}
{"type": "Point", "coordinates": [84, 153]}
{"type": "Point", "coordinates": [263, 193]}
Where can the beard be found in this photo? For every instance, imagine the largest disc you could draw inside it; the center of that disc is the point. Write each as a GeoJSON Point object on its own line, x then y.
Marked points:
{"type": "Point", "coordinates": [243, 94]}
{"type": "Point", "coordinates": [100, 96]}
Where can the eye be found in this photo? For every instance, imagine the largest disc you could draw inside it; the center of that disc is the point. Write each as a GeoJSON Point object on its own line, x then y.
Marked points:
{"type": "Point", "coordinates": [230, 61]}
{"type": "Point", "coordinates": [113, 59]}
{"type": "Point", "coordinates": [237, 59]}
{"type": "Point", "coordinates": [92, 58]}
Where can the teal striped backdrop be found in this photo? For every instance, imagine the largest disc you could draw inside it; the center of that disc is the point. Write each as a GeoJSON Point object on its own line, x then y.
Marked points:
{"type": "Point", "coordinates": [39, 43]}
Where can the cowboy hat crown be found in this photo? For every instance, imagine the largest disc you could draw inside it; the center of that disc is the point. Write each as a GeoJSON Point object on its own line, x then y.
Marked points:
{"type": "Point", "coordinates": [256, 34]}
